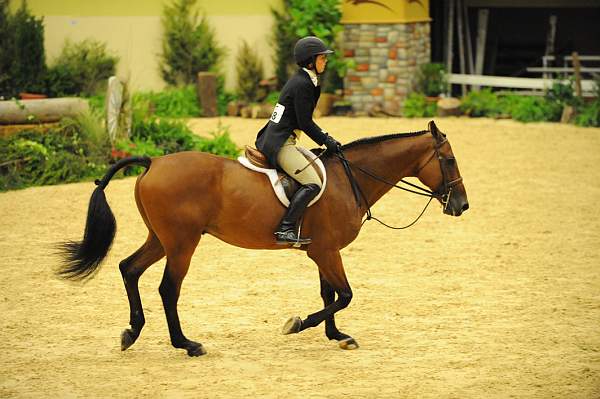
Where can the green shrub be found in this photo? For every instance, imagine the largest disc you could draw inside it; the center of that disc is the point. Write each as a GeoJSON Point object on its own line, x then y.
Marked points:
{"type": "Point", "coordinates": [282, 40]}
{"type": "Point", "coordinates": [171, 136]}
{"type": "Point", "coordinates": [532, 109]}
{"type": "Point", "coordinates": [250, 72]}
{"type": "Point", "coordinates": [416, 106]}
{"type": "Point", "coordinates": [189, 45]}
{"type": "Point", "coordinates": [563, 94]}
{"type": "Point", "coordinates": [220, 143]}
{"type": "Point", "coordinates": [81, 69]}
{"type": "Point", "coordinates": [301, 18]}
{"type": "Point", "coordinates": [273, 97]}
{"type": "Point", "coordinates": [172, 103]}
{"type": "Point", "coordinates": [75, 150]}
{"type": "Point", "coordinates": [22, 54]}
{"type": "Point", "coordinates": [97, 104]}
{"type": "Point", "coordinates": [431, 79]}
{"type": "Point", "coordinates": [224, 96]}
{"type": "Point", "coordinates": [481, 103]}
{"type": "Point", "coordinates": [589, 114]}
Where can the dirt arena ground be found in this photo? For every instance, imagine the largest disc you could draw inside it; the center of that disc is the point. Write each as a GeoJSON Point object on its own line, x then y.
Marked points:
{"type": "Point", "coordinates": [502, 302]}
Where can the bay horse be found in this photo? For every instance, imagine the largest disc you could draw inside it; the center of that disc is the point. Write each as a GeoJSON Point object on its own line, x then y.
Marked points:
{"type": "Point", "coordinates": [182, 196]}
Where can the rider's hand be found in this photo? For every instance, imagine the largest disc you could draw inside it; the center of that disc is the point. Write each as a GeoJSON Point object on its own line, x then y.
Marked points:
{"type": "Point", "coordinates": [332, 145]}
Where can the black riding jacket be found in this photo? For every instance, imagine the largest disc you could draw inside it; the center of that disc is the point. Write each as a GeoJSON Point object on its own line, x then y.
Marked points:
{"type": "Point", "coordinates": [294, 110]}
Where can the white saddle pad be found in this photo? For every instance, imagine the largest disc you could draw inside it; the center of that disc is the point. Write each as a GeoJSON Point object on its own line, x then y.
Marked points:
{"type": "Point", "coordinates": [276, 183]}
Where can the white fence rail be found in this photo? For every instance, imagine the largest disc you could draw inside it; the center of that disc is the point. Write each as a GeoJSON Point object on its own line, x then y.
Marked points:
{"type": "Point", "coordinates": [587, 86]}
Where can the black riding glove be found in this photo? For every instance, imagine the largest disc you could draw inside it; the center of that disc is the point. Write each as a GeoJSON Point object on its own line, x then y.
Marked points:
{"type": "Point", "coordinates": [332, 145]}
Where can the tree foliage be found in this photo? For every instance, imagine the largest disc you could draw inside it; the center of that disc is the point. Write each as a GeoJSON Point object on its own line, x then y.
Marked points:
{"type": "Point", "coordinates": [250, 72]}
{"type": "Point", "coordinates": [300, 18]}
{"type": "Point", "coordinates": [189, 45]}
{"type": "Point", "coordinates": [22, 54]}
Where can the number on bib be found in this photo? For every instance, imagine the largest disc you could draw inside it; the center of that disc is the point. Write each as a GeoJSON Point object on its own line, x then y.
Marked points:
{"type": "Point", "coordinates": [277, 113]}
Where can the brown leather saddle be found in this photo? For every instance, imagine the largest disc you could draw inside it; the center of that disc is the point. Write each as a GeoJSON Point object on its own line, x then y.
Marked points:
{"type": "Point", "coordinates": [290, 186]}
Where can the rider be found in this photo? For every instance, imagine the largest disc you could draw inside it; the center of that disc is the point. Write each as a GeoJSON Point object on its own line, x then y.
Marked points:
{"type": "Point", "coordinates": [291, 117]}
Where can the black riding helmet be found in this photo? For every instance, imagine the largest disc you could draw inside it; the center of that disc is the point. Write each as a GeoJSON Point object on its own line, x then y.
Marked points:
{"type": "Point", "coordinates": [307, 48]}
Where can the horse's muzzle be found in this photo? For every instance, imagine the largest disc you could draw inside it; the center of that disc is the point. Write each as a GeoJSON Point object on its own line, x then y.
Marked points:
{"type": "Point", "coordinates": [456, 206]}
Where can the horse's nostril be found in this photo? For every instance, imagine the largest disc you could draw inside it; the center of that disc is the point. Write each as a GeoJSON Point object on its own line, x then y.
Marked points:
{"type": "Point", "coordinates": [465, 206]}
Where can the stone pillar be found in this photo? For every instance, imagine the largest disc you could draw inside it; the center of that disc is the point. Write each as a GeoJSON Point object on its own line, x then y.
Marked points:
{"type": "Point", "coordinates": [387, 58]}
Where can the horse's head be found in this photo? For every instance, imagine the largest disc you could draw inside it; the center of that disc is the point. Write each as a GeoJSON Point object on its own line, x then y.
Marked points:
{"type": "Point", "coordinates": [439, 171]}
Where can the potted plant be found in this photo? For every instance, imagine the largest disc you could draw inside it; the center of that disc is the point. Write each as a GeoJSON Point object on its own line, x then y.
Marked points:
{"type": "Point", "coordinates": [431, 81]}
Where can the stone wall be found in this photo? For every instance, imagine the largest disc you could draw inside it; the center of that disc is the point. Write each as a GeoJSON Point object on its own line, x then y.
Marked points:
{"type": "Point", "coordinates": [387, 57]}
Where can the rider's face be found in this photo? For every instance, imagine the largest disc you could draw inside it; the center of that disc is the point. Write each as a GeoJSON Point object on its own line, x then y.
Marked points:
{"type": "Point", "coordinates": [321, 63]}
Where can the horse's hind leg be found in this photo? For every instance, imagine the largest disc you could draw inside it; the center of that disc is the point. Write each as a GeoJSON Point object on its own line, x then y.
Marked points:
{"type": "Point", "coordinates": [178, 263]}
{"type": "Point", "coordinates": [131, 270]}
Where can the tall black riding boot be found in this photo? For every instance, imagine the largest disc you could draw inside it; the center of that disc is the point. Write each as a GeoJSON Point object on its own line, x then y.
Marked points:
{"type": "Point", "coordinates": [287, 232]}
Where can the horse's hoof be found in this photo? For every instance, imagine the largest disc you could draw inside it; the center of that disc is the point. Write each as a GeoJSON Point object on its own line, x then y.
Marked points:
{"type": "Point", "coordinates": [292, 326]}
{"type": "Point", "coordinates": [195, 349]}
{"type": "Point", "coordinates": [348, 344]}
{"type": "Point", "coordinates": [128, 337]}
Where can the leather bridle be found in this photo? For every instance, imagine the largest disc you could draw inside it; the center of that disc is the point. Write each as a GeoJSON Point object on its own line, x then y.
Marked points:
{"type": "Point", "coordinates": [442, 193]}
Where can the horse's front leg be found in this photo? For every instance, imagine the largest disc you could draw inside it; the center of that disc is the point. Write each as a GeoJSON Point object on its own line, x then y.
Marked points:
{"type": "Point", "coordinates": [331, 330]}
{"type": "Point", "coordinates": [332, 274]}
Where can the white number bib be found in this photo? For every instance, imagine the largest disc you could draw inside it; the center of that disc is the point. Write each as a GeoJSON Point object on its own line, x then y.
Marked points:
{"type": "Point", "coordinates": [277, 113]}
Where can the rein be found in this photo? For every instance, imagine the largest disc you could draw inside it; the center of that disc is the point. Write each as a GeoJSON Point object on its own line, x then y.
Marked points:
{"type": "Point", "coordinates": [358, 193]}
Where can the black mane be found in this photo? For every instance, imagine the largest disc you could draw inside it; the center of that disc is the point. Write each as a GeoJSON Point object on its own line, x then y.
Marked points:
{"type": "Point", "coordinates": [379, 139]}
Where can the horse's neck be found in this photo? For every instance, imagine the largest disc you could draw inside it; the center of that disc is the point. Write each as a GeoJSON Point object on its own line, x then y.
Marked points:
{"type": "Point", "coordinates": [390, 160]}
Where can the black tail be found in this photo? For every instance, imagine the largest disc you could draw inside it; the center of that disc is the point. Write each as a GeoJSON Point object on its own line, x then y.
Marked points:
{"type": "Point", "coordinates": [82, 258]}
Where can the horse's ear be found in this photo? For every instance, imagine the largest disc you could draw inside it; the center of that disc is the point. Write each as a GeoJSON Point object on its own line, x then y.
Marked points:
{"type": "Point", "coordinates": [433, 128]}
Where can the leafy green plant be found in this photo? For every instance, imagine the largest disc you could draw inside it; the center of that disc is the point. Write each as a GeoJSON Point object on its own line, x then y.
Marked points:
{"type": "Point", "coordinates": [22, 54]}
{"type": "Point", "coordinates": [562, 93]}
{"type": "Point", "coordinates": [589, 114]}
{"type": "Point", "coordinates": [283, 40]}
{"type": "Point", "coordinates": [173, 103]}
{"type": "Point", "coordinates": [533, 109]}
{"type": "Point", "coordinates": [416, 106]}
{"type": "Point", "coordinates": [75, 150]}
{"type": "Point", "coordinates": [301, 18]}
{"type": "Point", "coordinates": [250, 72]}
{"type": "Point", "coordinates": [219, 143]}
{"type": "Point", "coordinates": [481, 103]}
{"type": "Point", "coordinates": [224, 96]}
{"type": "Point", "coordinates": [273, 97]}
{"type": "Point", "coordinates": [189, 45]}
{"type": "Point", "coordinates": [81, 69]}
{"type": "Point", "coordinates": [431, 79]}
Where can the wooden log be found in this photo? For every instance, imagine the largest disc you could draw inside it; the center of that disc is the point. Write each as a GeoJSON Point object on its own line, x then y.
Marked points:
{"type": "Point", "coordinates": [568, 114]}
{"type": "Point", "coordinates": [448, 106]}
{"type": "Point", "coordinates": [207, 93]}
{"type": "Point", "coordinates": [33, 111]}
